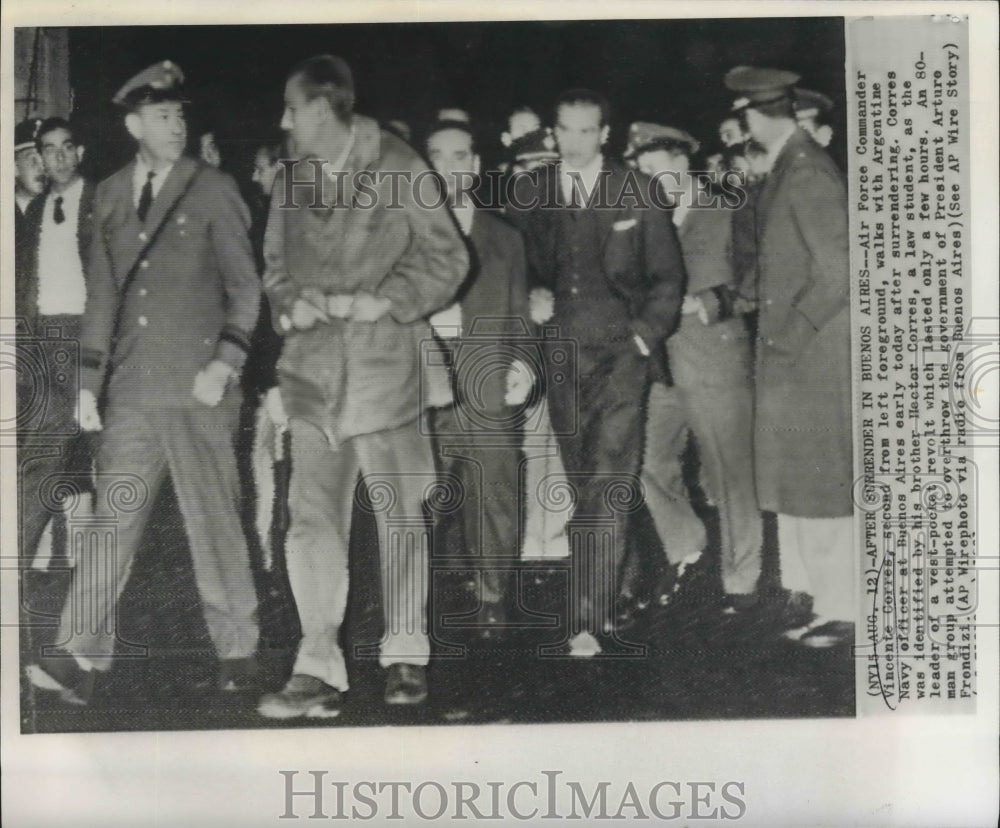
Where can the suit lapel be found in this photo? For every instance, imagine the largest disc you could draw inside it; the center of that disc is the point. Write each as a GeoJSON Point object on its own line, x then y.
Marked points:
{"type": "Point", "coordinates": [612, 184]}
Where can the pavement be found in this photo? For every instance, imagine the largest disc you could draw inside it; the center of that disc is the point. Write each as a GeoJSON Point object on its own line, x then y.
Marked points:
{"type": "Point", "coordinates": [685, 661]}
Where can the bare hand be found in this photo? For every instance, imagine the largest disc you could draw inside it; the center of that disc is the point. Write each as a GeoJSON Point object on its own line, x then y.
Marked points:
{"type": "Point", "coordinates": [368, 308]}
{"type": "Point", "coordinates": [692, 304]}
{"type": "Point", "coordinates": [520, 380]}
{"type": "Point", "coordinates": [210, 383]}
{"type": "Point", "coordinates": [86, 412]}
{"type": "Point", "coordinates": [275, 408]}
{"type": "Point", "coordinates": [541, 305]}
{"type": "Point", "coordinates": [338, 306]}
{"type": "Point", "coordinates": [305, 314]}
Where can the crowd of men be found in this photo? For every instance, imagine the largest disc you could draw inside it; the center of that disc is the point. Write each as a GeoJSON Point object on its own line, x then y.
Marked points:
{"type": "Point", "coordinates": [436, 345]}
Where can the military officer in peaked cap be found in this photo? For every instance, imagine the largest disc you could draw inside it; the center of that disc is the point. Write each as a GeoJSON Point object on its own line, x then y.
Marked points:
{"type": "Point", "coordinates": [707, 387]}
{"type": "Point", "coordinates": [174, 296]}
{"type": "Point", "coordinates": [803, 440]}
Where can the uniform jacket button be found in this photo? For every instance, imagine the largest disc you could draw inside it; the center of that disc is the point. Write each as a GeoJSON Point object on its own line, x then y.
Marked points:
{"type": "Point", "coordinates": [143, 236]}
{"type": "Point", "coordinates": [144, 264]}
{"type": "Point", "coordinates": [143, 321]}
{"type": "Point", "coordinates": [143, 291]}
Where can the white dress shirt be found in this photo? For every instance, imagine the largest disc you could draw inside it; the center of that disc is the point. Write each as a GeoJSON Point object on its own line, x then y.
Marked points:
{"type": "Point", "coordinates": [588, 178]}
{"type": "Point", "coordinates": [62, 288]}
{"type": "Point", "coordinates": [140, 176]}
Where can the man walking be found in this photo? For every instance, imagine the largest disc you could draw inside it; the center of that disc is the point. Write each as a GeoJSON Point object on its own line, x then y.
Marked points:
{"type": "Point", "coordinates": [803, 445]}
{"type": "Point", "coordinates": [351, 280]}
{"type": "Point", "coordinates": [173, 298]}
{"type": "Point", "coordinates": [614, 266]}
{"type": "Point", "coordinates": [708, 385]}
{"type": "Point", "coordinates": [478, 437]}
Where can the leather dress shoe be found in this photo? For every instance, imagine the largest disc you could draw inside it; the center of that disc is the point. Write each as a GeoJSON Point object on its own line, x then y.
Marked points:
{"type": "Point", "coordinates": [62, 674]}
{"type": "Point", "coordinates": [491, 621]}
{"type": "Point", "coordinates": [406, 684]}
{"type": "Point", "coordinates": [239, 675]}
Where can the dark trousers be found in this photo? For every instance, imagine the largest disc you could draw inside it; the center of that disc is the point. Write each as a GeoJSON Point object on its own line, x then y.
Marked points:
{"type": "Point", "coordinates": [137, 448]}
{"type": "Point", "coordinates": [485, 467]}
{"type": "Point", "coordinates": [54, 467]}
{"type": "Point", "coordinates": [54, 458]}
{"type": "Point", "coordinates": [599, 419]}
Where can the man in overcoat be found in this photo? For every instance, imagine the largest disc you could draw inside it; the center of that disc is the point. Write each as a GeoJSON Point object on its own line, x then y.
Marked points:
{"type": "Point", "coordinates": [173, 297]}
{"type": "Point", "coordinates": [803, 438]}
{"type": "Point", "coordinates": [351, 279]}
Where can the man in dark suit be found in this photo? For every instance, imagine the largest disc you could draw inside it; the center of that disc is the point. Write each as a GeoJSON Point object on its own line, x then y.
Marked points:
{"type": "Point", "coordinates": [173, 299]}
{"type": "Point", "coordinates": [50, 299]}
{"type": "Point", "coordinates": [614, 266]}
{"type": "Point", "coordinates": [803, 440]}
{"type": "Point", "coordinates": [478, 437]}
{"type": "Point", "coordinates": [54, 460]}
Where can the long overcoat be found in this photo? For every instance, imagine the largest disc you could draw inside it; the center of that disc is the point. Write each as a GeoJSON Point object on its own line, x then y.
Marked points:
{"type": "Point", "coordinates": [803, 436]}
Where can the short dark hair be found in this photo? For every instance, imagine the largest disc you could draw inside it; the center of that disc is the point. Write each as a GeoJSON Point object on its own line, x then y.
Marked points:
{"type": "Point", "coordinates": [50, 125]}
{"type": "Point", "coordinates": [670, 145]}
{"type": "Point", "coordinates": [460, 126]}
{"type": "Point", "coordinates": [330, 77]}
{"type": "Point", "coordinates": [781, 108]}
{"type": "Point", "coordinates": [272, 148]}
{"type": "Point", "coordinates": [583, 97]}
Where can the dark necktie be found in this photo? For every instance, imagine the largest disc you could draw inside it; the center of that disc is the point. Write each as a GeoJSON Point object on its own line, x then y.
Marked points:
{"type": "Point", "coordinates": [58, 213]}
{"type": "Point", "coordinates": [146, 196]}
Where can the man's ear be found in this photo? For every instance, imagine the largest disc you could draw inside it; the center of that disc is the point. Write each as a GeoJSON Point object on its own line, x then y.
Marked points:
{"type": "Point", "coordinates": [477, 164]}
{"type": "Point", "coordinates": [133, 123]}
{"type": "Point", "coordinates": [80, 149]}
{"type": "Point", "coordinates": [605, 132]}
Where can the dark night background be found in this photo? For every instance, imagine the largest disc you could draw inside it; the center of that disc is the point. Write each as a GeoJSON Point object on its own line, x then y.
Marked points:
{"type": "Point", "coordinates": [698, 663]}
{"type": "Point", "coordinates": [662, 70]}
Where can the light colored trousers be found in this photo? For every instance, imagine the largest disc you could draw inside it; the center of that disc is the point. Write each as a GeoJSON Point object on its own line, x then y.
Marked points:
{"type": "Point", "coordinates": [137, 449]}
{"type": "Point", "coordinates": [722, 422]}
{"type": "Point", "coordinates": [398, 468]}
{"type": "Point", "coordinates": [817, 556]}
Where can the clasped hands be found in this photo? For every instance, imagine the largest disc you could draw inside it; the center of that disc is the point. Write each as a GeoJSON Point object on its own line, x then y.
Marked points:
{"type": "Point", "coordinates": [314, 306]}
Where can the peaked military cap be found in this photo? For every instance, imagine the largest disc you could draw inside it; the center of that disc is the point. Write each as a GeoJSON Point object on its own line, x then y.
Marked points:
{"type": "Point", "coordinates": [809, 103]}
{"type": "Point", "coordinates": [538, 145]}
{"type": "Point", "coordinates": [25, 133]}
{"type": "Point", "coordinates": [643, 137]}
{"type": "Point", "coordinates": [156, 84]}
{"type": "Point", "coordinates": [759, 86]}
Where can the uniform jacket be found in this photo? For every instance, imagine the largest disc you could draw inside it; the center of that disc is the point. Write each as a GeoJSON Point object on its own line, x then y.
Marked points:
{"type": "Point", "coordinates": [717, 354]}
{"type": "Point", "coordinates": [641, 257]}
{"type": "Point", "coordinates": [27, 232]}
{"type": "Point", "coordinates": [353, 377]}
{"type": "Point", "coordinates": [494, 303]}
{"type": "Point", "coordinates": [195, 294]}
{"type": "Point", "coordinates": [803, 418]}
